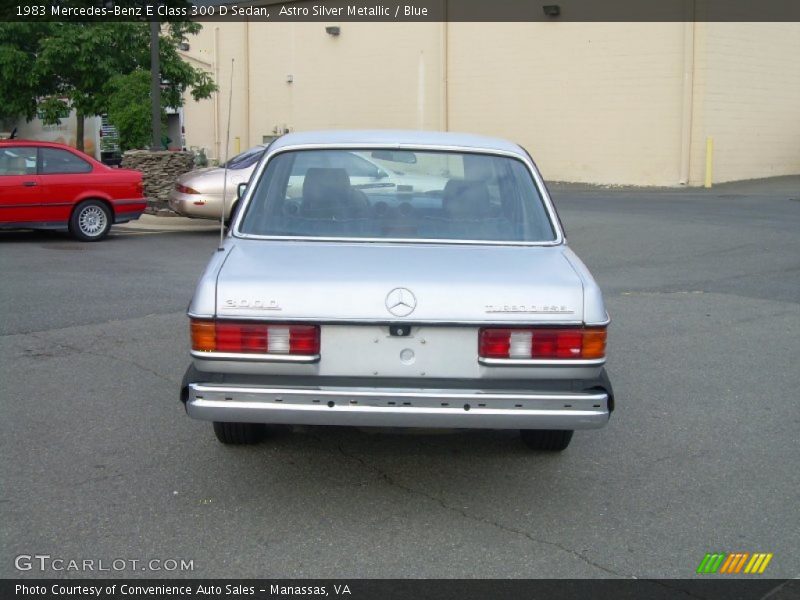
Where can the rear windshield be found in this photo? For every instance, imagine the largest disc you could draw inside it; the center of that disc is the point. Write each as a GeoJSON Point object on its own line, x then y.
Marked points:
{"type": "Point", "coordinates": [246, 159]}
{"type": "Point", "coordinates": [399, 195]}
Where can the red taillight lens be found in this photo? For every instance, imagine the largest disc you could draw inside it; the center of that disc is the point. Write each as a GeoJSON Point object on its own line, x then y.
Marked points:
{"type": "Point", "coordinates": [557, 343]}
{"type": "Point", "coordinates": [184, 189]}
{"type": "Point", "coordinates": [242, 337]}
{"type": "Point", "coordinates": [543, 343]}
{"type": "Point", "coordinates": [304, 339]}
{"type": "Point", "coordinates": [495, 343]}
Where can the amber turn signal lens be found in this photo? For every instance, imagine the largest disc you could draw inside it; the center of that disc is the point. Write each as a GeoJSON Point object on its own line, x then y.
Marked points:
{"type": "Point", "coordinates": [594, 343]}
{"type": "Point", "coordinates": [204, 336]}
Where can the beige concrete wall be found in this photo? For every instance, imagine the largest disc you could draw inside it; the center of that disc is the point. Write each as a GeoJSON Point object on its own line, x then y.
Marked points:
{"type": "Point", "coordinates": [747, 99]}
{"type": "Point", "coordinates": [380, 76]}
{"type": "Point", "coordinates": [610, 103]}
{"type": "Point", "coordinates": [592, 102]}
{"type": "Point", "coordinates": [206, 121]}
{"type": "Point", "coordinates": [369, 76]}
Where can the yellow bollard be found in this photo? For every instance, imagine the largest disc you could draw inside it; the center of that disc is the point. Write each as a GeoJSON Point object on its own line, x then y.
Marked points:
{"type": "Point", "coordinates": [237, 145]}
{"type": "Point", "coordinates": [709, 159]}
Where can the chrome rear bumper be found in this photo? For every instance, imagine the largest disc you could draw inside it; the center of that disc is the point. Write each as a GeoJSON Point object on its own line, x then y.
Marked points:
{"type": "Point", "coordinates": [393, 407]}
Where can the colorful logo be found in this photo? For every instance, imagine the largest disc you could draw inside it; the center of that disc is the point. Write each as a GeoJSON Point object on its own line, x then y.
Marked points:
{"type": "Point", "coordinates": [734, 563]}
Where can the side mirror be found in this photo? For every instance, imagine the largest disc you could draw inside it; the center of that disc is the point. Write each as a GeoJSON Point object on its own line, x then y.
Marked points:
{"type": "Point", "coordinates": [240, 190]}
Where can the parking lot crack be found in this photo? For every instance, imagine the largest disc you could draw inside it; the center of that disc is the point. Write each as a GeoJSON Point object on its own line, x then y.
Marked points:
{"type": "Point", "coordinates": [129, 361]}
{"type": "Point", "coordinates": [464, 514]}
{"type": "Point", "coordinates": [108, 322]}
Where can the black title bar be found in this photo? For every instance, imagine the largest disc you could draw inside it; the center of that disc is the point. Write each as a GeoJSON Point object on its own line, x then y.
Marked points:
{"type": "Point", "coordinates": [734, 588]}
{"type": "Point", "coordinates": [405, 11]}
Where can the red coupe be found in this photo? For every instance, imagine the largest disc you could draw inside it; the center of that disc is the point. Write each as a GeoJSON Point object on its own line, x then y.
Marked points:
{"type": "Point", "coordinates": [45, 185]}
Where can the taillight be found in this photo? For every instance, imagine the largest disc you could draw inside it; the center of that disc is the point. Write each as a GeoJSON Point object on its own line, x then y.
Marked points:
{"type": "Point", "coordinates": [543, 343]}
{"type": "Point", "coordinates": [183, 189]}
{"type": "Point", "coordinates": [244, 337]}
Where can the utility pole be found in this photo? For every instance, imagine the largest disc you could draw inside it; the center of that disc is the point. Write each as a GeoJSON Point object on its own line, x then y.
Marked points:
{"type": "Point", "coordinates": [155, 85]}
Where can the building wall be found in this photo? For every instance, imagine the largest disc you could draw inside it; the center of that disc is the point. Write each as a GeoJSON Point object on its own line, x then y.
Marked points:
{"type": "Point", "coordinates": [63, 133]}
{"type": "Point", "coordinates": [747, 99]}
{"type": "Point", "coordinates": [609, 103]}
{"type": "Point", "coordinates": [205, 122]}
{"type": "Point", "coordinates": [592, 102]}
{"type": "Point", "coordinates": [369, 76]}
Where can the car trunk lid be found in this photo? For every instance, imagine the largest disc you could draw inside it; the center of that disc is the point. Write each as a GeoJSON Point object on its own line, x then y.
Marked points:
{"type": "Point", "coordinates": [401, 282]}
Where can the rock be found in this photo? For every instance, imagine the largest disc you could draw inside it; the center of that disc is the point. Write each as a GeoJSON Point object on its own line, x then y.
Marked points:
{"type": "Point", "coordinates": [159, 171]}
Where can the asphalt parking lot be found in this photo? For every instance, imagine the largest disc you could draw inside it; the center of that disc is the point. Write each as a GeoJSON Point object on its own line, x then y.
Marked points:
{"type": "Point", "coordinates": [702, 454]}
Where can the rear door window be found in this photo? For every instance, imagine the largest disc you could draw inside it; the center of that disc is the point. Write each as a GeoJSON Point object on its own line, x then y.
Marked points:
{"type": "Point", "coordinates": [54, 161]}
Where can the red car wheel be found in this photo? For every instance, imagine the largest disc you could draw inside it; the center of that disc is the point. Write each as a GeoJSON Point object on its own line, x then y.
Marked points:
{"type": "Point", "coordinates": [90, 221]}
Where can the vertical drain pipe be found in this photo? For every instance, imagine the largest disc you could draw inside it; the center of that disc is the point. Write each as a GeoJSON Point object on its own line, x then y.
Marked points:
{"type": "Point", "coordinates": [247, 83]}
{"type": "Point", "coordinates": [421, 91]}
{"type": "Point", "coordinates": [445, 123]}
{"type": "Point", "coordinates": [688, 99]}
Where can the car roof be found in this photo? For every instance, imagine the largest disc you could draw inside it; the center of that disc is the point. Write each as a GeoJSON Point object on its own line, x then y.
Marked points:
{"type": "Point", "coordinates": [397, 138]}
{"type": "Point", "coordinates": [24, 142]}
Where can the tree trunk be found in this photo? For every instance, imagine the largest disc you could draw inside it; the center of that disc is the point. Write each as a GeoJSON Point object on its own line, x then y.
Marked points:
{"type": "Point", "coordinates": [79, 131]}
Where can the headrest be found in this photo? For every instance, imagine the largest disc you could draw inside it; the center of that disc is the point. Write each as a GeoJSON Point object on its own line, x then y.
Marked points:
{"type": "Point", "coordinates": [321, 183]}
{"type": "Point", "coordinates": [465, 199]}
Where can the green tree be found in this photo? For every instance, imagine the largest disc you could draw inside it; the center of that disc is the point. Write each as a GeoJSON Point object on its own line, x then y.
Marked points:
{"type": "Point", "coordinates": [20, 84]}
{"type": "Point", "coordinates": [129, 108]}
{"type": "Point", "coordinates": [52, 67]}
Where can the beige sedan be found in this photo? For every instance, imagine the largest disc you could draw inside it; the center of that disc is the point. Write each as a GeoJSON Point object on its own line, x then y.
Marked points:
{"type": "Point", "coordinates": [198, 194]}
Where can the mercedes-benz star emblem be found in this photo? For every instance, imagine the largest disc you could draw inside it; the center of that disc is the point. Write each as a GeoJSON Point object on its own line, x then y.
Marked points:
{"type": "Point", "coordinates": [401, 302]}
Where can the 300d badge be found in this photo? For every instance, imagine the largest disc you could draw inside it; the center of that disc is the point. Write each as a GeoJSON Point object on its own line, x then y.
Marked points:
{"type": "Point", "coordinates": [252, 304]}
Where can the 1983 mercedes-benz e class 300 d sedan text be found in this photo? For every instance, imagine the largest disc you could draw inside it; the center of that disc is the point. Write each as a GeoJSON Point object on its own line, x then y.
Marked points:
{"type": "Point", "coordinates": [453, 306]}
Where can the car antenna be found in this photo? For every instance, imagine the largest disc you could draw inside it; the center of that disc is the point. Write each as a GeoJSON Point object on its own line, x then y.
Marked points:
{"type": "Point", "coordinates": [225, 168]}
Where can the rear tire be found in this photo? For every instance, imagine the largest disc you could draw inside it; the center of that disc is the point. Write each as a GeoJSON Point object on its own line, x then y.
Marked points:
{"type": "Point", "coordinates": [90, 221]}
{"type": "Point", "coordinates": [239, 433]}
{"type": "Point", "coordinates": [546, 439]}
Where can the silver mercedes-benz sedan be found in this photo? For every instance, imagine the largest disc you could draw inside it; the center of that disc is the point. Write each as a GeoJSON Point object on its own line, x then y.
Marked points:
{"type": "Point", "coordinates": [459, 307]}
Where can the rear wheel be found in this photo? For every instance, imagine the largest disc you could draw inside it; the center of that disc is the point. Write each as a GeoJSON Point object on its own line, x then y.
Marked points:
{"type": "Point", "coordinates": [239, 433]}
{"type": "Point", "coordinates": [90, 221]}
{"type": "Point", "coordinates": [546, 439]}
